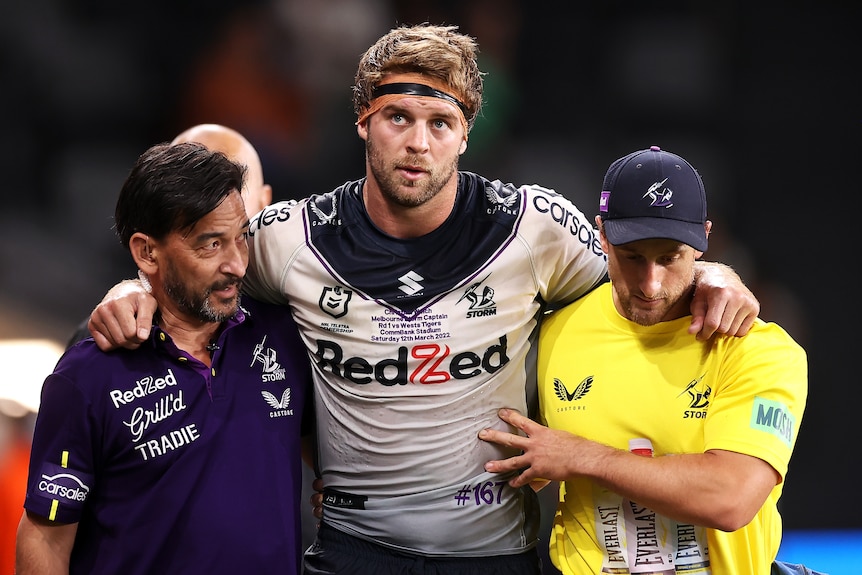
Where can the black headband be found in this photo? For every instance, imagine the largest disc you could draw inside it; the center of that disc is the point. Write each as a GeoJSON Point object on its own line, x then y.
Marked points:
{"type": "Point", "coordinates": [410, 89]}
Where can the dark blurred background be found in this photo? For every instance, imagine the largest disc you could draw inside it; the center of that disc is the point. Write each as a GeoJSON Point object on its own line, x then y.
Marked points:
{"type": "Point", "coordinates": [762, 97]}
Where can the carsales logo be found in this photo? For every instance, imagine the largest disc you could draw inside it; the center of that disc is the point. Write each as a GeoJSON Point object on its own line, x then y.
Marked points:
{"type": "Point", "coordinates": [64, 486]}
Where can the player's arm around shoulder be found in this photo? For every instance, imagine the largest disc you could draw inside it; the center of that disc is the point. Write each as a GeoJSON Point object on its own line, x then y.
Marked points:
{"type": "Point", "coordinates": [565, 247]}
{"type": "Point", "coordinates": [275, 234]}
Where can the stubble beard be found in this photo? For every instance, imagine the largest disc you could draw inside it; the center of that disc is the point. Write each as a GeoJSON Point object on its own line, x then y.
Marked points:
{"type": "Point", "coordinates": [392, 185]}
{"type": "Point", "coordinates": [670, 297]}
{"type": "Point", "coordinates": [640, 317]}
{"type": "Point", "coordinates": [200, 305]}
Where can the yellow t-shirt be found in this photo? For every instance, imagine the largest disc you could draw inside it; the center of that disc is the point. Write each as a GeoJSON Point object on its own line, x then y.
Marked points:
{"type": "Point", "coordinates": [610, 380]}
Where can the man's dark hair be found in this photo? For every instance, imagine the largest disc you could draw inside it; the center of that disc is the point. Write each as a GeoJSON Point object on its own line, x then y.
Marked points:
{"type": "Point", "coordinates": [171, 187]}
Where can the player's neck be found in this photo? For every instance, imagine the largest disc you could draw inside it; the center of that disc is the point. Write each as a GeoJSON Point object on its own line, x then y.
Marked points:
{"type": "Point", "coordinates": [193, 337]}
{"type": "Point", "coordinates": [405, 222]}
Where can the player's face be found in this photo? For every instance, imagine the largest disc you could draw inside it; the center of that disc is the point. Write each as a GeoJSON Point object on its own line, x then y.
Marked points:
{"type": "Point", "coordinates": [652, 279]}
{"type": "Point", "coordinates": [203, 271]}
{"type": "Point", "coordinates": [412, 147]}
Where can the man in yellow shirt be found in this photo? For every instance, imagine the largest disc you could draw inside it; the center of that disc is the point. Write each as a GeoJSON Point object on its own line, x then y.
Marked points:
{"type": "Point", "coordinates": [718, 418]}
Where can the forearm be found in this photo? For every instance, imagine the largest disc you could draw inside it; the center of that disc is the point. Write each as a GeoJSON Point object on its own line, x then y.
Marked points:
{"type": "Point", "coordinates": [689, 488]}
{"type": "Point", "coordinates": [125, 288]}
{"type": "Point", "coordinates": [716, 489]}
{"type": "Point", "coordinates": [716, 273]}
{"type": "Point", "coordinates": [42, 547]}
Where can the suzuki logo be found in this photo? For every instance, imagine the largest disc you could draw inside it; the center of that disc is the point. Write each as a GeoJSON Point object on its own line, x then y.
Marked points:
{"type": "Point", "coordinates": [410, 281]}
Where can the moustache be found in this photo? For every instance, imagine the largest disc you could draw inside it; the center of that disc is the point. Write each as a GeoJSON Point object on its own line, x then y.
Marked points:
{"type": "Point", "coordinates": [412, 163]}
{"type": "Point", "coordinates": [226, 284]}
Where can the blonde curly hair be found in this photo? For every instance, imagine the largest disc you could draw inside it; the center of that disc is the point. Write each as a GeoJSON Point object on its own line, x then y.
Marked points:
{"type": "Point", "coordinates": [440, 52]}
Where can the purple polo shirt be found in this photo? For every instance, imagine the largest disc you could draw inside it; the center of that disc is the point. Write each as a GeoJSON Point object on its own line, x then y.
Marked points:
{"type": "Point", "coordinates": [169, 466]}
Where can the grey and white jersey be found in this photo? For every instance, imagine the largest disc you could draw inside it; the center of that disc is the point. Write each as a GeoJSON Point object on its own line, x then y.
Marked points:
{"type": "Point", "coordinates": [415, 345]}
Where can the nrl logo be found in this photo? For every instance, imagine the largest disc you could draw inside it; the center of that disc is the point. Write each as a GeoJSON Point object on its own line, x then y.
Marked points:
{"type": "Point", "coordinates": [333, 300]}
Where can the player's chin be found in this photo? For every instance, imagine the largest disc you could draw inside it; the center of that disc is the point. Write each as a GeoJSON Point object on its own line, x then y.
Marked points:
{"type": "Point", "coordinates": [646, 317]}
{"type": "Point", "coordinates": [223, 308]}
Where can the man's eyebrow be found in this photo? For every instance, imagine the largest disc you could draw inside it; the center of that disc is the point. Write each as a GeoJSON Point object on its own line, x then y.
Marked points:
{"type": "Point", "coordinates": [398, 108]}
{"type": "Point", "coordinates": [203, 236]}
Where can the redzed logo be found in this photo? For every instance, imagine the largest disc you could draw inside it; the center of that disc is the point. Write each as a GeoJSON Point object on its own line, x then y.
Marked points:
{"type": "Point", "coordinates": [423, 363]}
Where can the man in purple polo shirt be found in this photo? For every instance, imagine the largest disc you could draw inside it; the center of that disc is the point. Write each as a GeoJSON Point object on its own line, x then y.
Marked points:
{"type": "Point", "coordinates": [182, 456]}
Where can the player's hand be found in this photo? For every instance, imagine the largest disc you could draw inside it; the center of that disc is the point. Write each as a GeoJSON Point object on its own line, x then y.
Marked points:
{"type": "Point", "coordinates": [540, 447]}
{"type": "Point", "coordinates": [317, 498]}
{"type": "Point", "coordinates": [721, 304]}
{"type": "Point", "coordinates": [124, 317]}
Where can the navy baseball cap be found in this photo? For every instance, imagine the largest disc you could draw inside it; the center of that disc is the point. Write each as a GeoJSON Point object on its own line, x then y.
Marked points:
{"type": "Point", "coordinates": [653, 194]}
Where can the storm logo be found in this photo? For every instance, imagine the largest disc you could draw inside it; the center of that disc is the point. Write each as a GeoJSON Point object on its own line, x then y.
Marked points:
{"type": "Point", "coordinates": [659, 199]}
{"type": "Point", "coordinates": [698, 393]}
{"type": "Point", "coordinates": [481, 303]}
{"type": "Point", "coordinates": [272, 370]}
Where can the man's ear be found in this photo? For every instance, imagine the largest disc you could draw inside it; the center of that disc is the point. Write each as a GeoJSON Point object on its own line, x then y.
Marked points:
{"type": "Point", "coordinates": [362, 129]}
{"type": "Point", "coordinates": [463, 147]}
{"type": "Point", "coordinates": [707, 226]}
{"type": "Point", "coordinates": [266, 195]}
{"type": "Point", "coordinates": [601, 231]}
{"type": "Point", "coordinates": [143, 252]}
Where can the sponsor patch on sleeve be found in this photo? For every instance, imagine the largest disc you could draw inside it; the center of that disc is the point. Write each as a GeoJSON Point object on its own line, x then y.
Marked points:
{"type": "Point", "coordinates": [773, 417]}
{"type": "Point", "coordinates": [64, 486]}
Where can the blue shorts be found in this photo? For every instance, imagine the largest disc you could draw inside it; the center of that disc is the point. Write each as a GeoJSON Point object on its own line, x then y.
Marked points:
{"type": "Point", "coordinates": [334, 552]}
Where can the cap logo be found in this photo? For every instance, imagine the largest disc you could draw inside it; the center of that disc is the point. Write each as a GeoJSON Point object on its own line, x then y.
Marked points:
{"type": "Point", "coordinates": [659, 199]}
